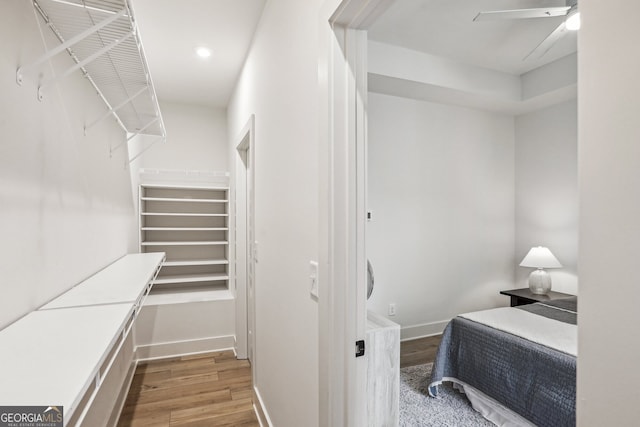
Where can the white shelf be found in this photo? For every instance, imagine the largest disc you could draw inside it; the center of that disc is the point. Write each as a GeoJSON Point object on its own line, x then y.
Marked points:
{"type": "Point", "coordinates": [186, 243]}
{"type": "Point", "coordinates": [188, 295]}
{"type": "Point", "coordinates": [54, 356]}
{"type": "Point", "coordinates": [186, 199]}
{"type": "Point", "coordinates": [123, 281]}
{"type": "Point", "coordinates": [181, 214]}
{"type": "Point", "coordinates": [191, 262]}
{"type": "Point", "coordinates": [195, 239]}
{"type": "Point", "coordinates": [184, 229]}
{"type": "Point", "coordinates": [182, 173]}
{"type": "Point", "coordinates": [191, 278]}
{"type": "Point", "coordinates": [120, 75]}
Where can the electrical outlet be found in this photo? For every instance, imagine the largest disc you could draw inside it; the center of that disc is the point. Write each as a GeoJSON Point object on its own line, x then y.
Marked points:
{"type": "Point", "coordinates": [392, 309]}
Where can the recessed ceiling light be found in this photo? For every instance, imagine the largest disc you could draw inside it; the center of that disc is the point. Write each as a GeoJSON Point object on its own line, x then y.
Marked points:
{"type": "Point", "coordinates": [573, 22]}
{"type": "Point", "coordinates": [203, 52]}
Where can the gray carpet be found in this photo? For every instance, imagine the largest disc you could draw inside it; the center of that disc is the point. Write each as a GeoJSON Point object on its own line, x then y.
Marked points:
{"type": "Point", "coordinates": [417, 409]}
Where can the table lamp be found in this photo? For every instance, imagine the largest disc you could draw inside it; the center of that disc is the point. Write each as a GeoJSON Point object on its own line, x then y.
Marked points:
{"type": "Point", "coordinates": [540, 258]}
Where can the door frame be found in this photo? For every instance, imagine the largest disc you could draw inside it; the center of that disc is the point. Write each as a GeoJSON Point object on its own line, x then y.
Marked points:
{"type": "Point", "coordinates": [342, 79]}
{"type": "Point", "coordinates": [245, 142]}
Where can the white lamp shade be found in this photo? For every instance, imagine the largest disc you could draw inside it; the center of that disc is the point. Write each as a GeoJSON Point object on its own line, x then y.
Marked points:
{"type": "Point", "coordinates": [540, 257]}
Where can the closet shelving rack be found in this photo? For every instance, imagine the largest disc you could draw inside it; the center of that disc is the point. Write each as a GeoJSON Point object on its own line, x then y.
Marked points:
{"type": "Point", "coordinates": [102, 38]}
{"type": "Point", "coordinates": [190, 224]}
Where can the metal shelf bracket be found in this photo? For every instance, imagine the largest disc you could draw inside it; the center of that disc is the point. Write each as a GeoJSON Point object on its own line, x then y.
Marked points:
{"type": "Point", "coordinates": [133, 135]}
{"type": "Point", "coordinates": [146, 148]}
{"type": "Point", "coordinates": [67, 44]}
{"type": "Point", "coordinates": [102, 38]}
{"type": "Point", "coordinates": [114, 109]}
{"type": "Point", "coordinates": [82, 63]}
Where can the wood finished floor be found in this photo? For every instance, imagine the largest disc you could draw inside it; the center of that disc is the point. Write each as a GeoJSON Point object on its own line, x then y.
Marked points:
{"type": "Point", "coordinates": [212, 389]}
{"type": "Point", "coordinates": [419, 351]}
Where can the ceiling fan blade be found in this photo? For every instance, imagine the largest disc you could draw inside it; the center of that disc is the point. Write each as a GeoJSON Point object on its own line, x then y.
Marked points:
{"type": "Point", "coordinates": [547, 43]}
{"type": "Point", "coordinates": [543, 12]}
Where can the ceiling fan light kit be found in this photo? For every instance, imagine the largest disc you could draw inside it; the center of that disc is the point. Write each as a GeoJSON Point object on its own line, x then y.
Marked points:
{"type": "Point", "coordinates": [571, 23]}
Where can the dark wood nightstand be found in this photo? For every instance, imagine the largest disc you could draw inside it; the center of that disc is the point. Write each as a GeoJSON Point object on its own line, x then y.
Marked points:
{"type": "Point", "coordinates": [525, 296]}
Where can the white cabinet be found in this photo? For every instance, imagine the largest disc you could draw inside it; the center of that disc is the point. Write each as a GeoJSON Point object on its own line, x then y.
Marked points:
{"type": "Point", "coordinates": [77, 350]}
{"type": "Point", "coordinates": [383, 371]}
{"type": "Point", "coordinates": [189, 224]}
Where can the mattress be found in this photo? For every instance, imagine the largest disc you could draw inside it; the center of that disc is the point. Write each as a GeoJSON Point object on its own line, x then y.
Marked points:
{"type": "Point", "coordinates": [516, 361]}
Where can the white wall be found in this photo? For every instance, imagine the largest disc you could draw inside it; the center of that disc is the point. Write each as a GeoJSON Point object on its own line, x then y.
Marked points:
{"type": "Point", "coordinates": [196, 139]}
{"type": "Point", "coordinates": [279, 85]}
{"type": "Point", "coordinates": [65, 207]}
{"type": "Point", "coordinates": [441, 188]}
{"type": "Point", "coordinates": [609, 168]}
{"type": "Point", "coordinates": [546, 208]}
{"type": "Point", "coordinates": [165, 330]}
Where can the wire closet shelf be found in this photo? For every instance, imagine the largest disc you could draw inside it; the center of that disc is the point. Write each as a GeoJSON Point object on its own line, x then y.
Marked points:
{"type": "Point", "coordinates": [102, 38]}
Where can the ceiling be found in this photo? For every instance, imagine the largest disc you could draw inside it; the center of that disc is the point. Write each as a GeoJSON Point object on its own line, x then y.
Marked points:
{"type": "Point", "coordinates": [171, 30]}
{"type": "Point", "coordinates": [446, 28]}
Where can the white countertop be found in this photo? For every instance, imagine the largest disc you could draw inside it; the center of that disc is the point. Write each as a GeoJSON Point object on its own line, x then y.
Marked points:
{"type": "Point", "coordinates": [123, 281]}
{"type": "Point", "coordinates": [50, 357]}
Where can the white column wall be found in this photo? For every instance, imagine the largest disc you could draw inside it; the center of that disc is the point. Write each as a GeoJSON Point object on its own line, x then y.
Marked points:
{"type": "Point", "coordinates": [279, 84]}
{"type": "Point", "coordinates": [66, 207]}
{"type": "Point", "coordinates": [609, 168]}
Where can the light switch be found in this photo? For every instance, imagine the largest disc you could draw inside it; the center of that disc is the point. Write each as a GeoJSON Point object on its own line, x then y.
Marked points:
{"type": "Point", "coordinates": [313, 276]}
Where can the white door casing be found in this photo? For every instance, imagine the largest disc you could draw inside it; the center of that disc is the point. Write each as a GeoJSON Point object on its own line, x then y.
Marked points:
{"type": "Point", "coordinates": [251, 264]}
{"type": "Point", "coordinates": [244, 260]}
{"type": "Point", "coordinates": [342, 156]}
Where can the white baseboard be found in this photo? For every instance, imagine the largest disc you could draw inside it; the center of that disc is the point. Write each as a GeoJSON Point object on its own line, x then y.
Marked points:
{"type": "Point", "coordinates": [182, 348]}
{"type": "Point", "coordinates": [261, 412]}
{"type": "Point", "coordinates": [423, 330]}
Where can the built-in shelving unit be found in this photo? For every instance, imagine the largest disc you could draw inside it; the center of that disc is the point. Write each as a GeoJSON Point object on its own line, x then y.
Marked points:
{"type": "Point", "coordinates": [189, 224]}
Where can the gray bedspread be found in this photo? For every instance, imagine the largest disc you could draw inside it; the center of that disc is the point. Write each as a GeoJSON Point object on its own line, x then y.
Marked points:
{"type": "Point", "coordinates": [535, 381]}
{"type": "Point", "coordinates": [563, 310]}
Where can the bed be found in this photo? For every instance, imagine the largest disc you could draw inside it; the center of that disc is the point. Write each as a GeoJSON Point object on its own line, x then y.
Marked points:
{"type": "Point", "coordinates": [517, 365]}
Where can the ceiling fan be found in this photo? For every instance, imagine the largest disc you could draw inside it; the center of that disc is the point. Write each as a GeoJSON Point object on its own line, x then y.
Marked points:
{"type": "Point", "coordinates": [571, 23]}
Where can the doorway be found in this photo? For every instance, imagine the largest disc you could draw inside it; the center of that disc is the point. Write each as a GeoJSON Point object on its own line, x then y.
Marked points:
{"type": "Point", "coordinates": [245, 247]}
